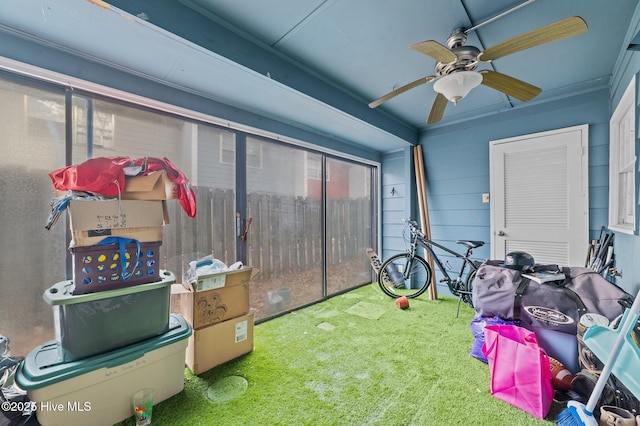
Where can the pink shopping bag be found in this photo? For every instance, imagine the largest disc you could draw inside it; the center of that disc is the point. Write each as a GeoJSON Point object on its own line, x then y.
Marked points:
{"type": "Point", "coordinates": [520, 371]}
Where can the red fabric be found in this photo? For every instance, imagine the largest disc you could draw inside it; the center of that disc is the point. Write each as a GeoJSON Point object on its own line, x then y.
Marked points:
{"type": "Point", "coordinates": [105, 176]}
{"type": "Point", "coordinates": [102, 175]}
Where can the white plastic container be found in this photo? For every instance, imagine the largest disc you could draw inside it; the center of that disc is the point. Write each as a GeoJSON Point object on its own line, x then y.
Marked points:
{"type": "Point", "coordinates": [98, 390]}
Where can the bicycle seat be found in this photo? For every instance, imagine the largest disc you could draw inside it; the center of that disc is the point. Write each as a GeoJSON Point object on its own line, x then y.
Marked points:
{"type": "Point", "coordinates": [470, 244]}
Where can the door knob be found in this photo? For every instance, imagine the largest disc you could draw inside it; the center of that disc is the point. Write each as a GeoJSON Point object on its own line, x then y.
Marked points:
{"type": "Point", "coordinates": [501, 233]}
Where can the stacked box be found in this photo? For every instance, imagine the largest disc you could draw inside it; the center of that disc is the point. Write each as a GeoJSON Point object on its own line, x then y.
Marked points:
{"type": "Point", "coordinates": [217, 307]}
{"type": "Point", "coordinates": [93, 220]}
{"type": "Point", "coordinates": [118, 295]}
{"type": "Point", "coordinates": [213, 298]}
{"type": "Point", "coordinates": [134, 228]}
{"type": "Point", "coordinates": [114, 332]}
{"type": "Point", "coordinates": [115, 243]}
{"type": "Point", "coordinates": [154, 186]}
{"type": "Point", "coordinates": [98, 390]}
{"type": "Point", "coordinates": [216, 344]}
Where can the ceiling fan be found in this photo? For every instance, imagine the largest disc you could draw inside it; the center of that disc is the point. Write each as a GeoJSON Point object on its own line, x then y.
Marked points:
{"type": "Point", "coordinates": [455, 72]}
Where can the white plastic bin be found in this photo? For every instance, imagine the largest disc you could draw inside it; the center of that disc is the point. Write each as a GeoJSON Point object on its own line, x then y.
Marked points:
{"type": "Point", "coordinates": [98, 390]}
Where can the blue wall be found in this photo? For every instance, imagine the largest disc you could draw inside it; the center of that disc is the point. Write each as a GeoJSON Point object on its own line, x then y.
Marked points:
{"type": "Point", "coordinates": [457, 163]}
{"type": "Point", "coordinates": [397, 195]}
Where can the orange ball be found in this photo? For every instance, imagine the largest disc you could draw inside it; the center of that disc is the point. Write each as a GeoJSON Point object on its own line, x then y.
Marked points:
{"type": "Point", "coordinates": [402, 302]}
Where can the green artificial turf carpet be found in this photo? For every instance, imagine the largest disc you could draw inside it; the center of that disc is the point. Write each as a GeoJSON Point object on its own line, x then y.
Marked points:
{"type": "Point", "coordinates": [355, 359]}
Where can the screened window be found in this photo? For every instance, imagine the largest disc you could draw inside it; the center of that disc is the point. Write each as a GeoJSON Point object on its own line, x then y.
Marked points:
{"type": "Point", "coordinates": [349, 224]}
{"type": "Point", "coordinates": [33, 144]}
{"type": "Point", "coordinates": [307, 235]}
{"type": "Point", "coordinates": [286, 232]}
{"type": "Point", "coordinates": [622, 164]}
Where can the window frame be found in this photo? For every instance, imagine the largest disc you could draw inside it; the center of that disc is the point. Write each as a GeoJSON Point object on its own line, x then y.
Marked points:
{"type": "Point", "coordinates": [620, 196]}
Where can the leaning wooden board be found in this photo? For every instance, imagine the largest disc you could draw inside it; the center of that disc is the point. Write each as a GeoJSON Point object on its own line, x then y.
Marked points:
{"type": "Point", "coordinates": [424, 213]}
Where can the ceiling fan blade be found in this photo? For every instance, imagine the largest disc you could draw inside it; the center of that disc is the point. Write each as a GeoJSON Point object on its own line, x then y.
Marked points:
{"type": "Point", "coordinates": [400, 90]}
{"type": "Point", "coordinates": [434, 49]}
{"type": "Point", "coordinates": [510, 86]}
{"type": "Point", "coordinates": [557, 31]}
{"type": "Point", "coordinates": [437, 109]}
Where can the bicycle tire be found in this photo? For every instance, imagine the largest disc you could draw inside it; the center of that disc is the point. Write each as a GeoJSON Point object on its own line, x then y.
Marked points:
{"type": "Point", "coordinates": [468, 287]}
{"type": "Point", "coordinates": [418, 279]}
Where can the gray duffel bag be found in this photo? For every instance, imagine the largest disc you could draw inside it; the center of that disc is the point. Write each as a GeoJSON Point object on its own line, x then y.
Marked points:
{"type": "Point", "coordinates": [557, 305]}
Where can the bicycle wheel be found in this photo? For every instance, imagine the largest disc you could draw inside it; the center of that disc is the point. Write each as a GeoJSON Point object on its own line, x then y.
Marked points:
{"type": "Point", "coordinates": [467, 296]}
{"type": "Point", "coordinates": [419, 276]}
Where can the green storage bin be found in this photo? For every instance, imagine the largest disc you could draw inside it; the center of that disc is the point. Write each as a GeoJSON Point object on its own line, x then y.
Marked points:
{"type": "Point", "coordinates": [93, 323]}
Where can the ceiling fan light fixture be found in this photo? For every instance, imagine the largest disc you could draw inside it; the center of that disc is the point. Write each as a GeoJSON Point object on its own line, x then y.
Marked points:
{"type": "Point", "coordinates": [457, 85]}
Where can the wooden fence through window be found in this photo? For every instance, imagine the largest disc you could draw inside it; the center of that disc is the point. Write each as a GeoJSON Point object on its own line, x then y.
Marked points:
{"type": "Point", "coordinates": [285, 235]}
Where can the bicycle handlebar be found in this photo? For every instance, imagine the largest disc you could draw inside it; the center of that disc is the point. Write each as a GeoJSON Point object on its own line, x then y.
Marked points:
{"type": "Point", "coordinates": [415, 230]}
{"type": "Point", "coordinates": [412, 224]}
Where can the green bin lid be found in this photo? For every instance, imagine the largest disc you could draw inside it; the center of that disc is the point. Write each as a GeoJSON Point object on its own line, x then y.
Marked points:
{"type": "Point", "coordinates": [60, 293]}
{"type": "Point", "coordinates": [43, 366]}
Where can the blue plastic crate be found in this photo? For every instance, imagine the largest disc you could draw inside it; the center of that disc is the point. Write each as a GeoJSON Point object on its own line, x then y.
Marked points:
{"type": "Point", "coordinates": [108, 267]}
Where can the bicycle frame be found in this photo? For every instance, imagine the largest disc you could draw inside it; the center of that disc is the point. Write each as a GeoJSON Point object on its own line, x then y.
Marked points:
{"type": "Point", "coordinates": [420, 240]}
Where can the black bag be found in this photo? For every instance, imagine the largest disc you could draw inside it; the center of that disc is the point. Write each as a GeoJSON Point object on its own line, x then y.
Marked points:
{"type": "Point", "coordinates": [557, 305]}
{"type": "Point", "coordinates": [614, 392]}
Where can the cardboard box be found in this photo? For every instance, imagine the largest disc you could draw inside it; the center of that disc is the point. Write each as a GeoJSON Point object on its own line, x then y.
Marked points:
{"type": "Point", "coordinates": [229, 298]}
{"type": "Point", "coordinates": [113, 213]}
{"type": "Point", "coordinates": [93, 220]}
{"type": "Point", "coordinates": [93, 237]}
{"type": "Point", "coordinates": [98, 390]}
{"type": "Point", "coordinates": [154, 186]}
{"type": "Point", "coordinates": [219, 343]}
{"type": "Point", "coordinates": [223, 279]}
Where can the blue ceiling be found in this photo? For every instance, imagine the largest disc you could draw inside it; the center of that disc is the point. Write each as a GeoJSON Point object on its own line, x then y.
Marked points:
{"type": "Point", "coordinates": [362, 46]}
{"type": "Point", "coordinates": [316, 64]}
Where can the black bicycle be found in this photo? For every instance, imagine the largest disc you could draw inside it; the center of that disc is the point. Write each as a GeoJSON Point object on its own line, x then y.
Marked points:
{"type": "Point", "coordinates": [409, 274]}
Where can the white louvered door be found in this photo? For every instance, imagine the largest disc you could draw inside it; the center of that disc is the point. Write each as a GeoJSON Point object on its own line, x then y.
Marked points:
{"type": "Point", "coordinates": [540, 196]}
